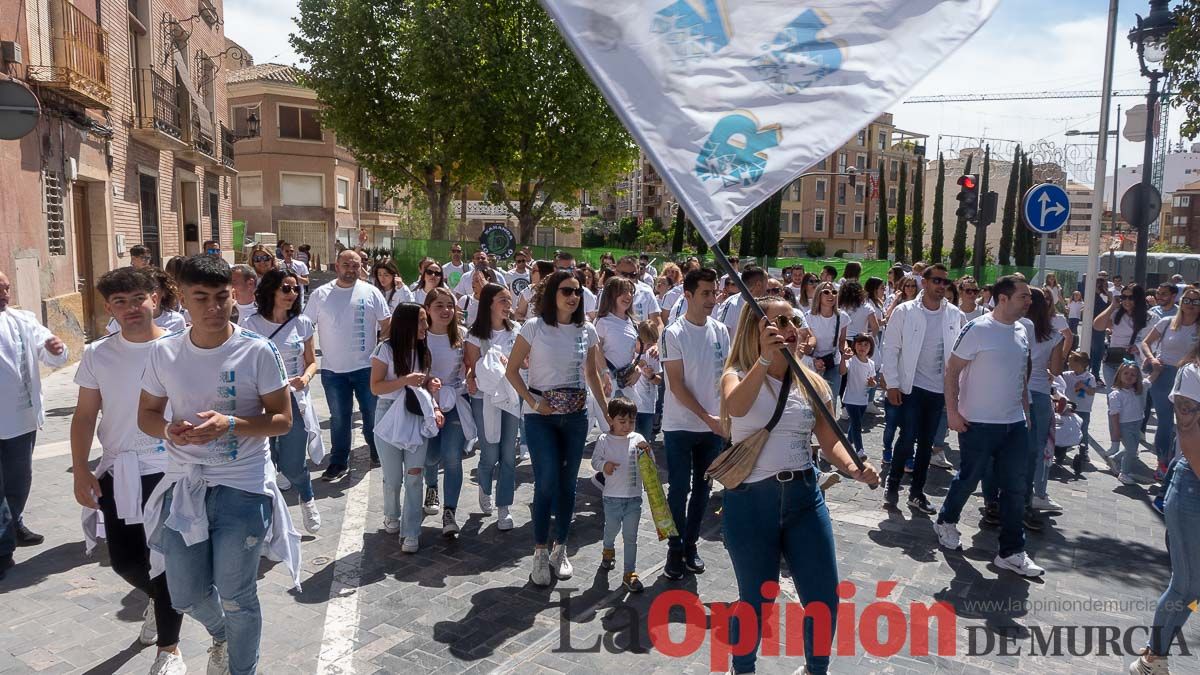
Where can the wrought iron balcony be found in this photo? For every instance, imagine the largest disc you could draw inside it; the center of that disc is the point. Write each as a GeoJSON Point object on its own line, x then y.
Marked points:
{"type": "Point", "coordinates": [227, 142]}
{"type": "Point", "coordinates": [157, 118]}
{"type": "Point", "coordinates": [79, 58]}
{"type": "Point", "coordinates": [201, 142]}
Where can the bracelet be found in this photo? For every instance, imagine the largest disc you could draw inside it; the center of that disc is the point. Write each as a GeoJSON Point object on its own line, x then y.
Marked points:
{"type": "Point", "coordinates": [232, 422]}
{"type": "Point", "coordinates": [765, 363]}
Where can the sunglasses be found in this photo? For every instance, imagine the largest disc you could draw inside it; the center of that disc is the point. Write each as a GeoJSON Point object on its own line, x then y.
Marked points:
{"type": "Point", "coordinates": [970, 291]}
{"type": "Point", "coordinates": [940, 281]}
{"type": "Point", "coordinates": [262, 258]}
{"type": "Point", "coordinates": [826, 291]}
{"type": "Point", "coordinates": [1126, 297]}
{"type": "Point", "coordinates": [570, 290]}
{"type": "Point", "coordinates": [774, 291]}
{"type": "Point", "coordinates": [1191, 302]}
{"type": "Point", "coordinates": [811, 282]}
{"type": "Point", "coordinates": [630, 275]}
{"type": "Point", "coordinates": [289, 289]}
{"type": "Point", "coordinates": [433, 273]}
{"type": "Point", "coordinates": [783, 321]}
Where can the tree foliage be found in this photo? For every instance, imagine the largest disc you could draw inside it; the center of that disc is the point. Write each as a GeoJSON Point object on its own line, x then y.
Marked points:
{"type": "Point", "coordinates": [1183, 53]}
{"type": "Point", "coordinates": [937, 235]}
{"type": "Point", "coordinates": [901, 220]}
{"type": "Point", "coordinates": [958, 249]}
{"type": "Point", "coordinates": [918, 218]}
{"type": "Point", "coordinates": [980, 247]}
{"type": "Point", "coordinates": [1008, 222]}
{"type": "Point", "coordinates": [881, 217]}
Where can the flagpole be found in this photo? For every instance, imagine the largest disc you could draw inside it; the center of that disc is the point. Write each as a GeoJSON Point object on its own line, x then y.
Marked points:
{"type": "Point", "coordinates": [751, 302]}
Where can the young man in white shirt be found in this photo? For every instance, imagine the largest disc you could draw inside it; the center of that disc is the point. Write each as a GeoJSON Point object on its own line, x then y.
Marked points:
{"type": "Point", "coordinates": [693, 351]}
{"type": "Point", "coordinates": [987, 402]}
{"type": "Point", "coordinates": [23, 342]}
{"type": "Point", "coordinates": [132, 463]}
{"type": "Point", "coordinates": [290, 263]}
{"type": "Point", "coordinates": [795, 279]}
{"type": "Point", "coordinates": [209, 517]}
{"type": "Point", "coordinates": [456, 268]}
{"type": "Point", "coordinates": [729, 312]}
{"type": "Point", "coordinates": [518, 277]}
{"type": "Point", "coordinates": [245, 282]}
{"type": "Point", "coordinates": [916, 348]}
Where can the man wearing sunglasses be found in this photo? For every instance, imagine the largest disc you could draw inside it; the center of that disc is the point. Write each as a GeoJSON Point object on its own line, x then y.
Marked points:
{"type": "Point", "coordinates": [139, 257]}
{"type": "Point", "coordinates": [297, 267]}
{"type": "Point", "coordinates": [916, 348]}
{"type": "Point", "coordinates": [456, 268]}
{"type": "Point", "coordinates": [518, 276]}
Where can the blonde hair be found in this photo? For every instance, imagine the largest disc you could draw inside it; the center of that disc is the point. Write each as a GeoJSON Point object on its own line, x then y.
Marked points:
{"type": "Point", "coordinates": [613, 289]}
{"type": "Point", "coordinates": [744, 352]}
{"type": "Point", "coordinates": [1178, 320]}
{"type": "Point", "coordinates": [648, 332]}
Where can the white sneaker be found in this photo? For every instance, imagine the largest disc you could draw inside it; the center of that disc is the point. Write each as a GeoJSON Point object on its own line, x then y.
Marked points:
{"type": "Point", "coordinates": [1144, 666]}
{"type": "Point", "coordinates": [504, 522]}
{"type": "Point", "coordinates": [1126, 478]}
{"type": "Point", "coordinates": [540, 574]}
{"type": "Point", "coordinates": [410, 544]}
{"type": "Point", "coordinates": [1045, 504]}
{"type": "Point", "coordinates": [873, 409]}
{"type": "Point", "coordinates": [1020, 563]}
{"type": "Point", "coordinates": [391, 525]}
{"type": "Point", "coordinates": [559, 563]}
{"type": "Point", "coordinates": [524, 456]}
{"type": "Point", "coordinates": [939, 460]}
{"type": "Point", "coordinates": [283, 482]}
{"type": "Point", "coordinates": [312, 517]}
{"type": "Point", "coordinates": [149, 634]}
{"type": "Point", "coordinates": [470, 448]}
{"type": "Point", "coordinates": [168, 663]}
{"type": "Point", "coordinates": [218, 659]}
{"type": "Point", "coordinates": [485, 502]}
{"type": "Point", "coordinates": [948, 536]}
{"type": "Point", "coordinates": [449, 525]}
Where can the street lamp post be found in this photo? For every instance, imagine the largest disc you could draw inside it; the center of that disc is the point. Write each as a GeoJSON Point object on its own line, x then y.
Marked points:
{"type": "Point", "coordinates": [1150, 38]}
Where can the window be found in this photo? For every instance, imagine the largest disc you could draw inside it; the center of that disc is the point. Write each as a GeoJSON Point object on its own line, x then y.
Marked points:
{"type": "Point", "coordinates": [858, 223]}
{"type": "Point", "coordinates": [839, 224]}
{"type": "Point", "coordinates": [545, 237]}
{"type": "Point", "coordinates": [794, 191]}
{"type": "Point", "coordinates": [239, 115]}
{"type": "Point", "coordinates": [784, 219]}
{"type": "Point", "coordinates": [299, 123]}
{"type": "Point", "coordinates": [822, 164]}
{"type": "Point", "coordinates": [301, 189]}
{"type": "Point", "coordinates": [250, 191]}
{"type": "Point", "coordinates": [343, 193]}
{"type": "Point", "coordinates": [860, 161]}
{"type": "Point", "coordinates": [862, 137]}
{"type": "Point", "coordinates": [796, 222]}
{"type": "Point", "coordinates": [841, 162]}
{"type": "Point", "coordinates": [214, 213]}
{"type": "Point", "coordinates": [841, 194]}
{"type": "Point", "coordinates": [884, 139]}
{"type": "Point", "coordinates": [820, 190]}
{"type": "Point", "coordinates": [819, 220]}
{"type": "Point", "coordinates": [1183, 200]}
{"type": "Point", "coordinates": [892, 198]}
{"type": "Point", "coordinates": [860, 194]}
{"type": "Point", "coordinates": [56, 228]}
{"type": "Point", "coordinates": [894, 174]}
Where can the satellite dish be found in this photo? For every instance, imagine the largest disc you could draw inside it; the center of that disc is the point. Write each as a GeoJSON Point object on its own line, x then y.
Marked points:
{"type": "Point", "coordinates": [19, 110]}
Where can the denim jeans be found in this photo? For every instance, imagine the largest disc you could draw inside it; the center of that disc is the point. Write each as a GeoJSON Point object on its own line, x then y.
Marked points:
{"type": "Point", "coordinates": [1096, 353]}
{"type": "Point", "coordinates": [1085, 420]}
{"type": "Point", "coordinates": [340, 390]}
{"type": "Point", "coordinates": [854, 432]}
{"type": "Point", "coordinates": [556, 450]}
{"type": "Point", "coordinates": [290, 453]}
{"type": "Point", "coordinates": [1073, 324]}
{"type": "Point", "coordinates": [502, 454]}
{"type": "Point", "coordinates": [891, 423]}
{"type": "Point", "coordinates": [1131, 438]}
{"type": "Point", "coordinates": [402, 479]}
{"type": "Point", "coordinates": [1182, 513]}
{"type": "Point", "coordinates": [834, 379]}
{"type": "Point", "coordinates": [1003, 448]}
{"type": "Point", "coordinates": [215, 581]}
{"type": "Point", "coordinates": [766, 521]}
{"type": "Point", "coordinates": [446, 450]}
{"type": "Point", "coordinates": [16, 478]}
{"type": "Point", "coordinates": [689, 453]}
{"type": "Point", "coordinates": [1040, 413]}
{"type": "Point", "coordinates": [644, 425]}
{"type": "Point", "coordinates": [623, 514]}
{"type": "Point", "coordinates": [943, 430]}
{"type": "Point", "coordinates": [1164, 410]}
{"type": "Point", "coordinates": [920, 411]}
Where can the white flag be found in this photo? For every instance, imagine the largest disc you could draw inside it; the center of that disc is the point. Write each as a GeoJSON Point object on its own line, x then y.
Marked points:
{"type": "Point", "coordinates": [732, 99]}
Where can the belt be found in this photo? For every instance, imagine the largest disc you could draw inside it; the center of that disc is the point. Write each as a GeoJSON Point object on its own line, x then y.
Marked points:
{"type": "Point", "coordinates": [789, 475]}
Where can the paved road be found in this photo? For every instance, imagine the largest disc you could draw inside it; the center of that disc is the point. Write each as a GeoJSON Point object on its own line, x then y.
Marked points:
{"type": "Point", "coordinates": [466, 605]}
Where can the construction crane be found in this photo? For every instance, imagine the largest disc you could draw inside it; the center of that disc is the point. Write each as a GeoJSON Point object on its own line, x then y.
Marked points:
{"type": "Point", "coordinates": [1018, 96]}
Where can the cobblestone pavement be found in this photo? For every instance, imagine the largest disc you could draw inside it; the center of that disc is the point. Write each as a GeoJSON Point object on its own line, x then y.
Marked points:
{"type": "Point", "coordinates": [466, 605]}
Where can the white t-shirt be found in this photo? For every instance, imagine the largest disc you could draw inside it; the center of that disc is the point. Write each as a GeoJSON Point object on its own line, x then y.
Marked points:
{"type": "Point", "coordinates": [557, 353]}
{"type": "Point", "coordinates": [857, 374]}
{"type": "Point", "coordinates": [644, 392]}
{"type": "Point", "coordinates": [169, 320]}
{"type": "Point", "coordinates": [1040, 353]}
{"type": "Point", "coordinates": [823, 328]}
{"type": "Point", "coordinates": [788, 447]}
{"type": "Point", "coordinates": [397, 295]}
{"type": "Point", "coordinates": [1072, 381]}
{"type": "Point", "coordinates": [22, 345]}
{"type": "Point", "coordinates": [290, 339]}
{"type": "Point", "coordinates": [1187, 383]}
{"type": "Point", "coordinates": [1075, 309]}
{"type": "Point", "coordinates": [931, 360]}
{"type": "Point", "coordinates": [245, 311]}
{"type": "Point", "coordinates": [1174, 345]}
{"type": "Point", "coordinates": [503, 339]}
{"type": "Point", "coordinates": [992, 385]}
{"type": "Point", "coordinates": [1122, 332]}
{"type": "Point", "coordinates": [729, 313]}
{"type": "Point", "coordinates": [703, 349]}
{"type": "Point", "coordinates": [347, 321]}
{"type": "Point", "coordinates": [111, 365]}
{"type": "Point", "coordinates": [297, 266]}
{"type": "Point", "coordinates": [1127, 404]}
{"type": "Point", "coordinates": [445, 361]}
{"type": "Point", "coordinates": [618, 338]}
{"type": "Point", "coordinates": [517, 281]}
{"type": "Point", "coordinates": [590, 303]}
{"type": "Point", "coordinates": [979, 311]}
{"type": "Point", "coordinates": [383, 354]}
{"type": "Point", "coordinates": [672, 296]}
{"type": "Point", "coordinates": [626, 480]}
{"type": "Point", "coordinates": [470, 305]}
{"type": "Point", "coordinates": [645, 305]}
{"type": "Point", "coordinates": [859, 319]}
{"type": "Point", "coordinates": [453, 273]}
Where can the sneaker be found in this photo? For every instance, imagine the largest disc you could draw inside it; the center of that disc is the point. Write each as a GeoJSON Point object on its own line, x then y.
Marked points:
{"type": "Point", "coordinates": [312, 517]}
{"type": "Point", "coordinates": [1020, 563]}
{"type": "Point", "coordinates": [560, 564]}
{"type": "Point", "coordinates": [939, 460]}
{"type": "Point", "coordinates": [608, 559]}
{"type": "Point", "coordinates": [1077, 464]}
{"type": "Point", "coordinates": [909, 466]}
{"type": "Point", "coordinates": [485, 502]}
{"type": "Point", "coordinates": [27, 537]}
{"type": "Point", "coordinates": [149, 634]}
{"type": "Point", "coordinates": [873, 409]}
{"type": "Point", "coordinates": [693, 562]}
{"type": "Point", "coordinates": [218, 658]}
{"type": "Point", "coordinates": [920, 503]}
{"type": "Point", "coordinates": [449, 527]}
{"type": "Point", "coordinates": [410, 544]}
{"type": "Point", "coordinates": [1033, 521]}
{"type": "Point", "coordinates": [674, 568]}
{"type": "Point", "coordinates": [334, 472]}
{"type": "Point", "coordinates": [283, 482]}
{"type": "Point", "coordinates": [598, 481]}
{"type": "Point", "coordinates": [1160, 473]}
{"type": "Point", "coordinates": [828, 480]}
{"type": "Point", "coordinates": [1148, 664]}
{"type": "Point", "coordinates": [891, 498]}
{"type": "Point", "coordinates": [540, 574]}
{"type": "Point", "coordinates": [991, 515]}
{"type": "Point", "coordinates": [948, 536]}
{"type": "Point", "coordinates": [432, 505]}
{"type": "Point", "coordinates": [504, 522]}
{"type": "Point", "coordinates": [1126, 478]}
{"type": "Point", "coordinates": [391, 525]}
{"type": "Point", "coordinates": [168, 663]}
{"type": "Point", "coordinates": [1046, 504]}
{"type": "Point", "coordinates": [632, 583]}
{"type": "Point", "coordinates": [1157, 505]}
{"type": "Point", "coordinates": [887, 457]}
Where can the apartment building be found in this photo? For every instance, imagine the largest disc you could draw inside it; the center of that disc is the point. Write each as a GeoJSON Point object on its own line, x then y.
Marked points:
{"type": "Point", "coordinates": [1181, 224]}
{"type": "Point", "coordinates": [132, 146]}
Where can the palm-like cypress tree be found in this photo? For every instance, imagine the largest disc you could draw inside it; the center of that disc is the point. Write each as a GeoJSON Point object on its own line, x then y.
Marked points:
{"type": "Point", "coordinates": [918, 220]}
{"type": "Point", "coordinates": [1004, 255]}
{"type": "Point", "coordinates": [901, 226]}
{"type": "Point", "coordinates": [680, 230]}
{"type": "Point", "coordinates": [1023, 238]}
{"type": "Point", "coordinates": [937, 234]}
{"type": "Point", "coordinates": [881, 217]}
{"type": "Point", "coordinates": [958, 250]}
{"type": "Point", "coordinates": [980, 246]}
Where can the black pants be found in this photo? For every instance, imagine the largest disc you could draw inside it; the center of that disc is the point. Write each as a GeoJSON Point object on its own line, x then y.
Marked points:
{"type": "Point", "coordinates": [131, 558]}
{"type": "Point", "coordinates": [920, 414]}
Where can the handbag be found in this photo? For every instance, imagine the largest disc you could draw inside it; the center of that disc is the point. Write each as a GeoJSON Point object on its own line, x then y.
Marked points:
{"type": "Point", "coordinates": [1114, 355]}
{"type": "Point", "coordinates": [734, 465]}
{"type": "Point", "coordinates": [622, 375]}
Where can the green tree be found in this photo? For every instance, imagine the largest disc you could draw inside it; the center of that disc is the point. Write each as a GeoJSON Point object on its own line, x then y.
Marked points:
{"type": "Point", "coordinates": [628, 230]}
{"type": "Point", "coordinates": [937, 234]}
{"type": "Point", "coordinates": [1163, 247]}
{"type": "Point", "coordinates": [768, 226]}
{"type": "Point", "coordinates": [918, 218]}
{"type": "Point", "coordinates": [901, 220]}
{"type": "Point", "coordinates": [1010, 209]}
{"type": "Point", "coordinates": [746, 241]}
{"type": "Point", "coordinates": [1183, 53]}
{"type": "Point", "coordinates": [980, 247]}
{"type": "Point", "coordinates": [679, 231]}
{"type": "Point", "coordinates": [958, 249]}
{"type": "Point", "coordinates": [881, 217]}
{"type": "Point", "coordinates": [650, 235]}
{"type": "Point", "coordinates": [1024, 243]}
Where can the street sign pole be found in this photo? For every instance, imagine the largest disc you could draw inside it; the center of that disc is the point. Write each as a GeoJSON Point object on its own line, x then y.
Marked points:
{"type": "Point", "coordinates": [1045, 208]}
{"type": "Point", "coordinates": [1042, 260]}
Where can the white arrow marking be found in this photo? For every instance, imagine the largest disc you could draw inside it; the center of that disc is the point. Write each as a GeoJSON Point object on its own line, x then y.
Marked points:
{"type": "Point", "coordinates": [1055, 209]}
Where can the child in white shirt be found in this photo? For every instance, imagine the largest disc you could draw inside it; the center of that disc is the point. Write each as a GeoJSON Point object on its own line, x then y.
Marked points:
{"type": "Point", "coordinates": [615, 455]}
{"type": "Point", "coordinates": [1080, 390]}
{"type": "Point", "coordinates": [1126, 407]}
{"type": "Point", "coordinates": [859, 372]}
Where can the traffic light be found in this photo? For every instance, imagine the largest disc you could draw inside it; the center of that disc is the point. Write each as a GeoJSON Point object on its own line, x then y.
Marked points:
{"type": "Point", "coordinates": [968, 197]}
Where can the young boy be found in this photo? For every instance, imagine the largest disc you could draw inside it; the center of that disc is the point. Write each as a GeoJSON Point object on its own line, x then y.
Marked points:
{"type": "Point", "coordinates": [1081, 390]}
{"type": "Point", "coordinates": [209, 517]}
{"type": "Point", "coordinates": [616, 456]}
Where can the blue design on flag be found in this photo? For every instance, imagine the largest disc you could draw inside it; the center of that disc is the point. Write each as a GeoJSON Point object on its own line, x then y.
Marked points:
{"type": "Point", "coordinates": [735, 151]}
{"type": "Point", "coordinates": [798, 58]}
{"type": "Point", "coordinates": [694, 29]}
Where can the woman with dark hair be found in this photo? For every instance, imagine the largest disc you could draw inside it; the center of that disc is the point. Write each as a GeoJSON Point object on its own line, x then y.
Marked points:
{"type": "Point", "coordinates": [906, 291]}
{"type": "Point", "coordinates": [431, 278]}
{"type": "Point", "coordinates": [591, 279]}
{"type": "Point", "coordinates": [875, 289]}
{"type": "Point", "coordinates": [616, 328]}
{"type": "Point", "coordinates": [402, 361]}
{"type": "Point", "coordinates": [469, 304]}
{"type": "Point", "coordinates": [852, 300]}
{"type": "Point", "coordinates": [808, 292]}
{"type": "Point", "coordinates": [387, 279]}
{"type": "Point", "coordinates": [493, 330]}
{"type": "Point", "coordinates": [1127, 319]}
{"type": "Point", "coordinates": [1046, 357]}
{"type": "Point", "coordinates": [280, 321]}
{"type": "Point", "coordinates": [445, 340]}
{"type": "Point", "coordinates": [563, 351]}
{"type": "Point", "coordinates": [538, 271]}
{"type": "Point", "coordinates": [420, 273]}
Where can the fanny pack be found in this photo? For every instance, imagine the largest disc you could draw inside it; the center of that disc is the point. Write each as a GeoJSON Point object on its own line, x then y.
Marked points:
{"type": "Point", "coordinates": [734, 465]}
{"type": "Point", "coordinates": [621, 376]}
{"type": "Point", "coordinates": [563, 401]}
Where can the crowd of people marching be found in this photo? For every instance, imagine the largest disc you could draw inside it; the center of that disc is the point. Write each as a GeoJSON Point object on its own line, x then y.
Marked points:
{"type": "Point", "coordinates": [201, 400]}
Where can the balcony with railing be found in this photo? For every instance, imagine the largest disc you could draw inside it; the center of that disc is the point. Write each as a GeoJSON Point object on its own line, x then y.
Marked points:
{"type": "Point", "coordinates": [157, 117]}
{"type": "Point", "coordinates": [79, 58]}
{"type": "Point", "coordinates": [202, 147]}
{"type": "Point", "coordinates": [227, 142]}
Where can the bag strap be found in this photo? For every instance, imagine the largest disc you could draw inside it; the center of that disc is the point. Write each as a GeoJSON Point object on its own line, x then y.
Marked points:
{"type": "Point", "coordinates": [276, 331]}
{"type": "Point", "coordinates": [783, 397]}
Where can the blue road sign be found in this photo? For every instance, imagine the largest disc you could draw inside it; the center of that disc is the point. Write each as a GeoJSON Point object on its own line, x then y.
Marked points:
{"type": "Point", "coordinates": [1046, 208]}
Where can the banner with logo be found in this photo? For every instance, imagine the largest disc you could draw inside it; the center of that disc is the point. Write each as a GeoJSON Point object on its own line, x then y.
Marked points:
{"type": "Point", "coordinates": [732, 99]}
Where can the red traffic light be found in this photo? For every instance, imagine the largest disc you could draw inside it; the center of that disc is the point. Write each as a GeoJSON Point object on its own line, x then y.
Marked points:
{"type": "Point", "coordinates": [967, 181]}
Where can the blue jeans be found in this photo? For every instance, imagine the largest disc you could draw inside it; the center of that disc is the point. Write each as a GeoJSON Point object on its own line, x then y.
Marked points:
{"type": "Point", "coordinates": [556, 450]}
{"type": "Point", "coordinates": [402, 482]}
{"type": "Point", "coordinates": [340, 391]}
{"type": "Point", "coordinates": [766, 521]}
{"type": "Point", "coordinates": [623, 514]}
{"type": "Point", "coordinates": [446, 449]}
{"type": "Point", "coordinates": [834, 379]}
{"type": "Point", "coordinates": [502, 454]}
{"type": "Point", "coordinates": [943, 430]}
{"type": "Point", "coordinates": [1003, 447]}
{"type": "Point", "coordinates": [1182, 513]}
{"type": "Point", "coordinates": [16, 478]}
{"type": "Point", "coordinates": [1164, 437]}
{"type": "Point", "coordinates": [1131, 438]}
{"type": "Point", "coordinates": [854, 433]}
{"type": "Point", "coordinates": [1040, 412]}
{"type": "Point", "coordinates": [689, 453]}
{"type": "Point", "coordinates": [290, 454]}
{"type": "Point", "coordinates": [891, 422]}
{"type": "Point", "coordinates": [920, 411]}
{"type": "Point", "coordinates": [1096, 353]}
{"type": "Point", "coordinates": [1085, 419]}
{"type": "Point", "coordinates": [644, 425]}
{"type": "Point", "coordinates": [215, 581]}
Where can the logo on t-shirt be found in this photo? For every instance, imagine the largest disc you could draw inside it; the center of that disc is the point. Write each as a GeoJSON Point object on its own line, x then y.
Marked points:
{"type": "Point", "coordinates": [518, 285]}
